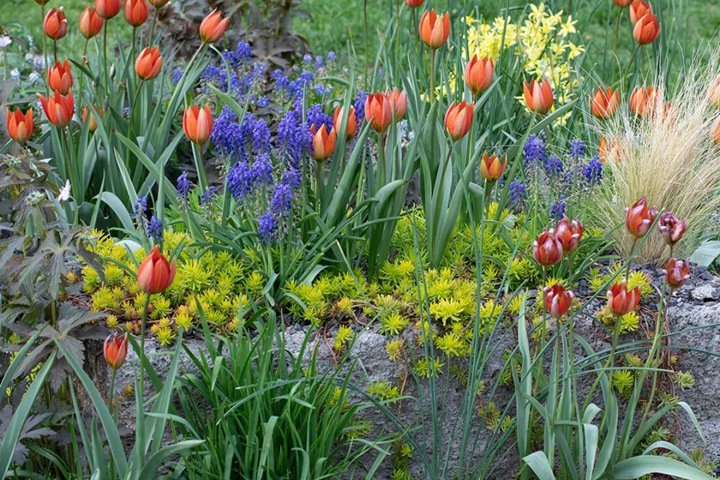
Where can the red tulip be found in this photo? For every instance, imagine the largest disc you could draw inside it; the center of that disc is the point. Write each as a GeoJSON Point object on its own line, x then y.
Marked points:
{"type": "Point", "coordinates": [414, 3]}
{"type": "Point", "coordinates": [20, 126]}
{"type": "Point", "coordinates": [323, 143]}
{"type": "Point", "coordinates": [671, 228]}
{"type": "Point", "coordinates": [676, 273]}
{"type": "Point", "coordinates": [622, 3]}
{"type": "Point", "coordinates": [479, 74]}
{"type": "Point", "coordinates": [115, 350]}
{"type": "Point", "coordinates": [620, 300]}
{"type": "Point", "coordinates": [639, 9]}
{"type": "Point", "coordinates": [398, 103]}
{"type": "Point", "coordinates": [639, 219]}
{"type": "Point", "coordinates": [491, 168]}
{"type": "Point", "coordinates": [198, 124]}
{"type": "Point", "coordinates": [569, 234]}
{"type": "Point", "coordinates": [107, 9]}
{"type": "Point", "coordinates": [643, 101]}
{"type": "Point", "coordinates": [58, 108]}
{"type": "Point", "coordinates": [60, 77]}
{"type": "Point", "coordinates": [350, 124]}
{"type": "Point", "coordinates": [90, 23]}
{"type": "Point", "coordinates": [548, 249]}
{"type": "Point", "coordinates": [148, 63]}
{"type": "Point", "coordinates": [538, 95]}
{"type": "Point", "coordinates": [458, 119]}
{"type": "Point", "coordinates": [155, 273]}
{"type": "Point", "coordinates": [213, 27]}
{"type": "Point", "coordinates": [55, 24]}
{"type": "Point", "coordinates": [605, 103]}
{"type": "Point", "coordinates": [378, 111]}
{"type": "Point", "coordinates": [646, 30]}
{"type": "Point", "coordinates": [434, 30]}
{"type": "Point", "coordinates": [136, 12]}
{"type": "Point", "coordinates": [557, 300]}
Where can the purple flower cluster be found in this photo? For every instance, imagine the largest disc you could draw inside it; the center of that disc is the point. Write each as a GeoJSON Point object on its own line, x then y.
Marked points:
{"type": "Point", "coordinates": [183, 187]}
{"type": "Point", "coordinates": [155, 228]}
{"type": "Point", "coordinates": [534, 150]}
{"type": "Point", "coordinates": [557, 209]}
{"type": "Point", "coordinates": [518, 193]}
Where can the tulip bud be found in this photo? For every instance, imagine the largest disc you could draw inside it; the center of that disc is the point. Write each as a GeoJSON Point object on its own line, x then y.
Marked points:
{"type": "Point", "coordinates": [622, 3]}
{"type": "Point", "coordinates": [479, 74]}
{"type": "Point", "coordinates": [569, 234]}
{"type": "Point", "coordinates": [20, 126]}
{"type": "Point", "coordinates": [323, 143]}
{"type": "Point", "coordinates": [714, 92]}
{"type": "Point", "coordinates": [115, 350]}
{"type": "Point", "coordinates": [639, 219]}
{"type": "Point", "coordinates": [136, 12]}
{"type": "Point", "coordinates": [158, 3]}
{"type": "Point", "coordinates": [605, 103]}
{"type": "Point", "coordinates": [55, 24]}
{"type": "Point", "coordinates": [398, 103]}
{"type": "Point", "coordinates": [638, 9]}
{"type": "Point", "coordinates": [676, 273]}
{"type": "Point", "coordinates": [491, 168]}
{"type": "Point", "coordinates": [88, 117]}
{"type": "Point", "coordinates": [213, 27]}
{"type": "Point", "coordinates": [60, 77]}
{"type": "Point", "coordinates": [646, 30]}
{"type": "Point", "coordinates": [198, 124]}
{"type": "Point", "coordinates": [434, 30]}
{"type": "Point", "coordinates": [107, 9]}
{"type": "Point", "coordinates": [620, 300]}
{"type": "Point", "coordinates": [414, 3]}
{"type": "Point", "coordinates": [643, 101]}
{"type": "Point", "coordinates": [671, 228]}
{"type": "Point", "coordinates": [155, 273]}
{"type": "Point", "coordinates": [148, 63]}
{"type": "Point", "coordinates": [458, 119]}
{"type": "Point", "coordinates": [557, 300]}
{"type": "Point", "coordinates": [547, 249]}
{"type": "Point", "coordinates": [42, 2]}
{"type": "Point", "coordinates": [350, 124]}
{"type": "Point", "coordinates": [378, 111]}
{"type": "Point", "coordinates": [90, 23]}
{"type": "Point", "coordinates": [59, 109]}
{"type": "Point", "coordinates": [607, 149]}
{"type": "Point", "coordinates": [538, 96]}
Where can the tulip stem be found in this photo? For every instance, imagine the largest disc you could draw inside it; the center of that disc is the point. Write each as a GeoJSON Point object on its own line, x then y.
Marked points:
{"type": "Point", "coordinates": [608, 364]}
{"type": "Point", "coordinates": [152, 27]}
{"type": "Point", "coordinates": [432, 76]}
{"type": "Point", "coordinates": [318, 183]}
{"type": "Point", "coordinates": [632, 251]}
{"type": "Point", "coordinates": [111, 394]}
{"type": "Point", "coordinates": [140, 394]}
{"type": "Point", "coordinates": [632, 57]}
{"type": "Point", "coordinates": [44, 41]}
{"type": "Point", "coordinates": [105, 59]}
{"type": "Point", "coordinates": [653, 350]}
{"type": "Point", "coordinates": [367, 48]}
{"type": "Point", "coordinates": [617, 35]}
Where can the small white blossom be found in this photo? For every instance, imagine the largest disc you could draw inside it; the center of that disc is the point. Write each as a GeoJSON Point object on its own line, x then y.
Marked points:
{"type": "Point", "coordinates": [34, 77]}
{"type": "Point", "coordinates": [5, 41]}
{"type": "Point", "coordinates": [15, 74]}
{"type": "Point", "coordinates": [64, 194]}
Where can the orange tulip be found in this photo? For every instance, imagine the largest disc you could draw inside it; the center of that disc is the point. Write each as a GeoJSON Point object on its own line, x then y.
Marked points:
{"type": "Point", "coordinates": [639, 9]}
{"type": "Point", "coordinates": [213, 27]}
{"type": "Point", "coordinates": [398, 103]}
{"type": "Point", "coordinates": [58, 108]}
{"type": "Point", "coordinates": [491, 168]}
{"type": "Point", "coordinates": [378, 111]}
{"type": "Point", "coordinates": [458, 119]}
{"type": "Point", "coordinates": [90, 23]}
{"type": "Point", "coordinates": [414, 3]}
{"type": "Point", "coordinates": [60, 77]}
{"type": "Point", "coordinates": [620, 300]}
{"type": "Point", "coordinates": [323, 143]}
{"type": "Point", "coordinates": [569, 234]}
{"type": "Point", "coordinates": [158, 3]}
{"type": "Point", "coordinates": [155, 273]}
{"type": "Point", "coordinates": [148, 63]}
{"type": "Point", "coordinates": [538, 96]}
{"type": "Point", "coordinates": [639, 218]}
{"type": "Point", "coordinates": [676, 273]}
{"type": "Point", "coordinates": [557, 300]}
{"type": "Point", "coordinates": [55, 24]}
{"type": "Point", "coordinates": [643, 101]}
{"type": "Point", "coordinates": [115, 350]}
{"type": "Point", "coordinates": [548, 249]}
{"type": "Point", "coordinates": [646, 30]}
{"type": "Point", "coordinates": [87, 116]}
{"type": "Point", "coordinates": [714, 93]}
{"type": "Point", "coordinates": [605, 103]}
{"type": "Point", "coordinates": [136, 12]}
{"type": "Point", "coordinates": [198, 124]}
{"type": "Point", "coordinates": [622, 3]}
{"type": "Point", "coordinates": [20, 126]}
{"type": "Point", "coordinates": [350, 124]}
{"type": "Point", "coordinates": [479, 74]}
{"type": "Point", "coordinates": [715, 133]}
{"type": "Point", "coordinates": [434, 30]}
{"type": "Point", "coordinates": [107, 9]}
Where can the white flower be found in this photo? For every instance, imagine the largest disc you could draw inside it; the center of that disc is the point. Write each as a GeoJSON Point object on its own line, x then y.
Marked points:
{"type": "Point", "coordinates": [15, 74]}
{"type": "Point", "coordinates": [5, 41]}
{"type": "Point", "coordinates": [64, 194]}
{"type": "Point", "coordinates": [34, 77]}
